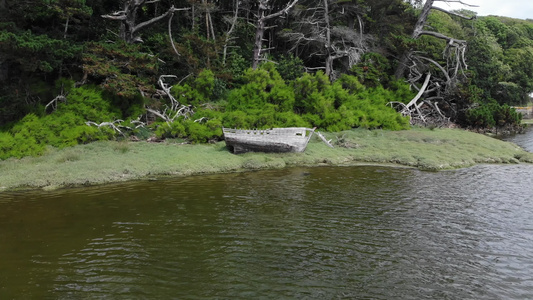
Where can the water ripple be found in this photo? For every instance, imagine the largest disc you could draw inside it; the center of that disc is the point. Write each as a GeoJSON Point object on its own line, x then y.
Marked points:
{"type": "Point", "coordinates": [320, 233]}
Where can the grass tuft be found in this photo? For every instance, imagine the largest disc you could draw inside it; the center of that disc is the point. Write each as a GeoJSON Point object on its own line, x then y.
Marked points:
{"type": "Point", "coordinates": [121, 147]}
{"type": "Point", "coordinates": [69, 155]}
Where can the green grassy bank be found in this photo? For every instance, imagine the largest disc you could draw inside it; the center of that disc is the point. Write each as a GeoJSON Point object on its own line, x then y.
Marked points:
{"type": "Point", "coordinates": [104, 162]}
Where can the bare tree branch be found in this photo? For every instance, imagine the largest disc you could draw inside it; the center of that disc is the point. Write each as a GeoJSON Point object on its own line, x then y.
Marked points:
{"type": "Point", "coordinates": [442, 84]}
{"type": "Point", "coordinates": [262, 18]}
{"type": "Point", "coordinates": [109, 124]}
{"type": "Point", "coordinates": [316, 34]}
{"type": "Point", "coordinates": [230, 31]}
{"type": "Point", "coordinates": [170, 114]}
{"type": "Point", "coordinates": [128, 18]}
{"type": "Point", "coordinates": [170, 34]}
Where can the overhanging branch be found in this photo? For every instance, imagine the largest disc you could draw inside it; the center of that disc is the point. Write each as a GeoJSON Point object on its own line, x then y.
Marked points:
{"type": "Point", "coordinates": [442, 37]}
{"type": "Point", "coordinates": [453, 13]}
{"type": "Point", "coordinates": [281, 12]}
{"type": "Point", "coordinates": [153, 20]}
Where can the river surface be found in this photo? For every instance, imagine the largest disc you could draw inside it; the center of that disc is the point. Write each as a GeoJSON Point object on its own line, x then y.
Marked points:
{"type": "Point", "coordinates": [302, 233]}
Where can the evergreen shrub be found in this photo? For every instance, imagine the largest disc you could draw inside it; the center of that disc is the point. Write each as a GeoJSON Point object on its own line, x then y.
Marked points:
{"type": "Point", "coordinates": [63, 127]}
{"type": "Point", "coordinates": [373, 70]}
{"type": "Point", "coordinates": [261, 86]}
{"type": "Point", "coordinates": [199, 91]}
{"type": "Point", "coordinates": [290, 67]}
{"type": "Point", "coordinates": [493, 115]}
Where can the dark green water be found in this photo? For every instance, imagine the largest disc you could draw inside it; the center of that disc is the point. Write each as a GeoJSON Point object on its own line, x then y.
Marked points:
{"type": "Point", "coordinates": [303, 233]}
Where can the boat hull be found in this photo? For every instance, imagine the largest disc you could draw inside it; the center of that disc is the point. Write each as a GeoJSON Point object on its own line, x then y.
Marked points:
{"type": "Point", "coordinates": [277, 140]}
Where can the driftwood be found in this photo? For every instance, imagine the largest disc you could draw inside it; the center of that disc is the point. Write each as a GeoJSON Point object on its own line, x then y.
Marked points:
{"type": "Point", "coordinates": [113, 125]}
{"type": "Point", "coordinates": [412, 109]}
{"type": "Point", "coordinates": [324, 139]}
{"type": "Point", "coordinates": [116, 125]}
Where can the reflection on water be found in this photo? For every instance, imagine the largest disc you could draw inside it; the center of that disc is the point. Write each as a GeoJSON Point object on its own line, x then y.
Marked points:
{"type": "Point", "coordinates": [319, 233]}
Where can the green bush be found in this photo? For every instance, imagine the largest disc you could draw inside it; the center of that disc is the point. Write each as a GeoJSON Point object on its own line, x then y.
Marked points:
{"type": "Point", "coordinates": [346, 104]}
{"type": "Point", "coordinates": [309, 93]}
{"type": "Point", "coordinates": [373, 112]}
{"type": "Point", "coordinates": [193, 130]}
{"type": "Point", "coordinates": [506, 115]}
{"type": "Point", "coordinates": [480, 117]}
{"type": "Point", "coordinates": [203, 132]}
{"type": "Point", "coordinates": [18, 145]}
{"type": "Point", "coordinates": [290, 67]}
{"type": "Point", "coordinates": [373, 70]}
{"type": "Point", "coordinates": [263, 100]}
{"type": "Point", "coordinates": [261, 87]}
{"type": "Point", "coordinates": [201, 90]}
{"type": "Point", "coordinates": [7, 143]}
{"type": "Point", "coordinates": [493, 115]}
{"type": "Point", "coordinates": [63, 127]}
{"type": "Point", "coordinates": [237, 119]}
{"type": "Point", "coordinates": [172, 130]}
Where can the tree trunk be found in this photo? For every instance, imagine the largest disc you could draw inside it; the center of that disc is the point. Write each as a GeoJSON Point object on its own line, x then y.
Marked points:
{"type": "Point", "coordinates": [260, 27]}
{"type": "Point", "coordinates": [3, 9]}
{"type": "Point", "coordinates": [126, 28]}
{"type": "Point", "coordinates": [3, 64]}
{"type": "Point", "coordinates": [329, 60]}
{"type": "Point", "coordinates": [4, 71]}
{"type": "Point", "coordinates": [422, 19]}
{"type": "Point", "coordinates": [419, 28]}
{"type": "Point", "coordinates": [66, 28]}
{"type": "Point", "coordinates": [229, 33]}
{"type": "Point", "coordinates": [193, 17]}
{"type": "Point", "coordinates": [259, 33]}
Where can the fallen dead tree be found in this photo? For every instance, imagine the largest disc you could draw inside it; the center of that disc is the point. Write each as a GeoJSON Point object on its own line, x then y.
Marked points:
{"type": "Point", "coordinates": [433, 105]}
{"type": "Point", "coordinates": [422, 111]}
{"type": "Point", "coordinates": [425, 111]}
{"type": "Point", "coordinates": [116, 125]}
{"type": "Point", "coordinates": [176, 109]}
{"type": "Point", "coordinates": [113, 125]}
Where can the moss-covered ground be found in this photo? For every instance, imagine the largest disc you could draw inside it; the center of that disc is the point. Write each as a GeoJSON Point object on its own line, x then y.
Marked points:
{"type": "Point", "coordinates": [105, 162]}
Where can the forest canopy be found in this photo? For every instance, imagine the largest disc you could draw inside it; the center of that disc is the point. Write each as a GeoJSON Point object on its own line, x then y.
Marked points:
{"type": "Point", "coordinates": [76, 71]}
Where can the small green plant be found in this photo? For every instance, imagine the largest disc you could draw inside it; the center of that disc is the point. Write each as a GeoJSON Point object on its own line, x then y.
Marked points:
{"type": "Point", "coordinates": [122, 147]}
{"type": "Point", "coordinates": [69, 155]}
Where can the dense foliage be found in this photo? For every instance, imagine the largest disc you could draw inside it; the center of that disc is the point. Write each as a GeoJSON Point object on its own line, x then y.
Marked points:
{"type": "Point", "coordinates": [336, 75]}
{"type": "Point", "coordinates": [66, 126]}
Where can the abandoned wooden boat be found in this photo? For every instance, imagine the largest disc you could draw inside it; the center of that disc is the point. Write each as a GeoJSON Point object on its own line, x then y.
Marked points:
{"type": "Point", "coordinates": [290, 139]}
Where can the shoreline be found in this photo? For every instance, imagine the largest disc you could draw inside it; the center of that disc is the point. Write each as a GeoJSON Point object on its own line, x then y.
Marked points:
{"type": "Point", "coordinates": [110, 162]}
